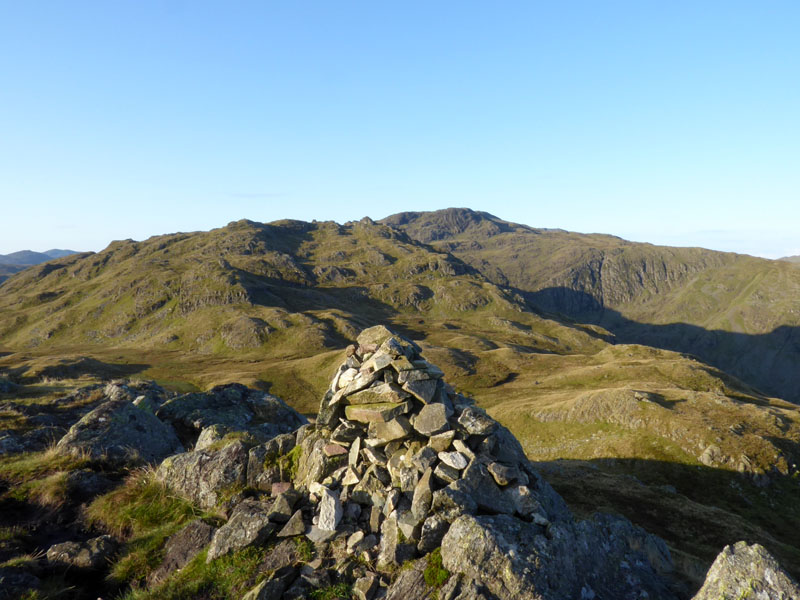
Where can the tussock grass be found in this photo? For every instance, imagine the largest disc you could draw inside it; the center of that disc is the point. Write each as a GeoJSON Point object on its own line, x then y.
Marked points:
{"type": "Point", "coordinates": [145, 513]}
{"type": "Point", "coordinates": [227, 577]}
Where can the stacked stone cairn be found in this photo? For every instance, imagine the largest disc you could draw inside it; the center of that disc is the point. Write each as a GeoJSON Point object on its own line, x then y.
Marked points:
{"type": "Point", "coordinates": [400, 465]}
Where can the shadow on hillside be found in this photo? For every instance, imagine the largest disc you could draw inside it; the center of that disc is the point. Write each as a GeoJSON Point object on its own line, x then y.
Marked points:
{"type": "Point", "coordinates": [767, 362]}
{"type": "Point", "coordinates": [74, 368]}
{"type": "Point", "coordinates": [697, 510]}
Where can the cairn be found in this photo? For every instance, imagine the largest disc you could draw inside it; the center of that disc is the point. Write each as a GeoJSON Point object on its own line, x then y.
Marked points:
{"type": "Point", "coordinates": [397, 455]}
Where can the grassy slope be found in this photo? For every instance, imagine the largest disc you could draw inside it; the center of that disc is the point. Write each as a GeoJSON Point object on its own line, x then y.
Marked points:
{"type": "Point", "coordinates": [737, 312]}
{"type": "Point", "coordinates": [184, 310]}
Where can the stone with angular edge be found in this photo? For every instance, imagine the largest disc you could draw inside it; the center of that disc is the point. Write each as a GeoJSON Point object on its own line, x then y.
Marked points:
{"type": "Point", "coordinates": [375, 456]}
{"type": "Point", "coordinates": [401, 364]}
{"type": "Point", "coordinates": [355, 450]}
{"type": "Point", "coordinates": [432, 420]}
{"type": "Point", "coordinates": [345, 378]}
{"type": "Point", "coordinates": [383, 392]}
{"type": "Point", "coordinates": [365, 587]}
{"type": "Point", "coordinates": [294, 526]}
{"type": "Point", "coordinates": [423, 496]}
{"type": "Point", "coordinates": [361, 381]}
{"type": "Point", "coordinates": [455, 460]}
{"type": "Point", "coordinates": [446, 473]}
{"type": "Point", "coordinates": [396, 429]}
{"type": "Point", "coordinates": [377, 362]}
{"type": "Point", "coordinates": [376, 335]}
{"type": "Point", "coordinates": [390, 539]}
{"type": "Point", "coordinates": [248, 525]}
{"type": "Point", "coordinates": [503, 474]}
{"type": "Point", "coordinates": [431, 533]}
{"type": "Point", "coordinates": [476, 422]}
{"type": "Point", "coordinates": [424, 459]}
{"type": "Point", "coordinates": [460, 446]}
{"type": "Point", "coordinates": [441, 441]}
{"type": "Point", "coordinates": [424, 390]}
{"type": "Point", "coordinates": [369, 413]}
{"type": "Point", "coordinates": [334, 450]}
{"type": "Point", "coordinates": [330, 510]}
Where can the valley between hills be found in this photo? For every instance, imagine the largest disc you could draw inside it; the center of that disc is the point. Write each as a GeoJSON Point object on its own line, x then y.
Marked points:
{"type": "Point", "coordinates": [656, 383]}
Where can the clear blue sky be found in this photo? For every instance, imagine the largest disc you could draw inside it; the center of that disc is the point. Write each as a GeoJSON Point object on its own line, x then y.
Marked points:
{"type": "Point", "coordinates": [671, 122]}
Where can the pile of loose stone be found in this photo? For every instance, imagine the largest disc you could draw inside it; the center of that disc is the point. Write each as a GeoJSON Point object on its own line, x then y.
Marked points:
{"type": "Point", "coordinates": [397, 455]}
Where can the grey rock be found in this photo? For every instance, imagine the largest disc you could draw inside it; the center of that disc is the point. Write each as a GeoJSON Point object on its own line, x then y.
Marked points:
{"type": "Point", "coordinates": [441, 442]}
{"type": "Point", "coordinates": [423, 390]}
{"type": "Point", "coordinates": [423, 496]}
{"type": "Point", "coordinates": [202, 476]}
{"type": "Point", "coordinates": [364, 588]}
{"type": "Point", "coordinates": [180, 549]}
{"type": "Point", "coordinates": [248, 525]}
{"type": "Point", "coordinates": [120, 433]}
{"type": "Point", "coordinates": [396, 429]}
{"type": "Point", "coordinates": [745, 571]}
{"type": "Point", "coordinates": [455, 460]}
{"type": "Point", "coordinates": [410, 583]}
{"type": "Point", "coordinates": [446, 474]}
{"type": "Point", "coordinates": [15, 583]}
{"type": "Point", "coordinates": [282, 507]}
{"type": "Point", "coordinates": [432, 420]}
{"type": "Point", "coordinates": [390, 539]}
{"type": "Point", "coordinates": [515, 560]}
{"type": "Point", "coordinates": [91, 554]}
{"type": "Point", "coordinates": [481, 486]}
{"type": "Point", "coordinates": [234, 406]}
{"type": "Point", "coordinates": [476, 422]}
{"type": "Point", "coordinates": [502, 474]}
{"type": "Point", "coordinates": [210, 435]}
{"type": "Point", "coordinates": [294, 526]}
{"type": "Point", "coordinates": [424, 459]}
{"type": "Point", "coordinates": [380, 412]}
{"type": "Point", "coordinates": [431, 533]}
{"type": "Point", "coordinates": [330, 510]}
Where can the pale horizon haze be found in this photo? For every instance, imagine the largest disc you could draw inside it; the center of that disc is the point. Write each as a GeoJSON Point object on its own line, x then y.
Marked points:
{"type": "Point", "coordinates": [670, 123]}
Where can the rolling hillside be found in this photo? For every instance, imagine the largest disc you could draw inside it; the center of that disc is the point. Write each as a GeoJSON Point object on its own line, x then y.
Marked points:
{"type": "Point", "coordinates": [736, 312]}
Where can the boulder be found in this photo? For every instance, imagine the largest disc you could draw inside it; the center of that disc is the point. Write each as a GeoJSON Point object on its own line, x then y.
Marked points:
{"type": "Point", "coordinates": [181, 548]}
{"type": "Point", "coordinates": [516, 560]}
{"type": "Point", "coordinates": [119, 432]}
{"type": "Point", "coordinates": [234, 406]}
{"type": "Point", "coordinates": [91, 554]}
{"type": "Point", "coordinates": [747, 571]}
{"type": "Point", "coordinates": [203, 475]}
{"type": "Point", "coordinates": [248, 525]}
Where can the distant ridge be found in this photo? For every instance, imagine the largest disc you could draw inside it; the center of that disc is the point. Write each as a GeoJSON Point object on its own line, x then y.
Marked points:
{"type": "Point", "coordinates": [791, 259]}
{"type": "Point", "coordinates": [17, 261]}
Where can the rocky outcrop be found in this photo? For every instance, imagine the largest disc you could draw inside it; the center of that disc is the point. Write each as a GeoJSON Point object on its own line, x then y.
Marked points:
{"type": "Point", "coordinates": [120, 432]}
{"type": "Point", "coordinates": [202, 476]}
{"type": "Point", "coordinates": [234, 407]}
{"type": "Point", "coordinates": [744, 571]}
{"type": "Point", "coordinates": [91, 554]}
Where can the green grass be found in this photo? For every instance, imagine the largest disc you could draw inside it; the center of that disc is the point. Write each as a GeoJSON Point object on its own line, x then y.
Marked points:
{"type": "Point", "coordinates": [435, 574]}
{"type": "Point", "coordinates": [227, 577]}
{"type": "Point", "coordinates": [335, 591]}
{"type": "Point", "coordinates": [144, 512]}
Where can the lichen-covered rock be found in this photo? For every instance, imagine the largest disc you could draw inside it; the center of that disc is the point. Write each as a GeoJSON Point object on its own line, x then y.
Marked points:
{"type": "Point", "coordinates": [91, 554]}
{"type": "Point", "coordinates": [203, 475]}
{"type": "Point", "coordinates": [515, 560]}
{"type": "Point", "coordinates": [181, 548]}
{"type": "Point", "coordinates": [248, 525]}
{"type": "Point", "coordinates": [744, 571]}
{"type": "Point", "coordinates": [118, 431]}
{"type": "Point", "coordinates": [234, 406]}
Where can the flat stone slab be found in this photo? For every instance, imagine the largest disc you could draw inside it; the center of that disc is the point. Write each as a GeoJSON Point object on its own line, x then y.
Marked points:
{"type": "Point", "coordinates": [424, 389]}
{"type": "Point", "coordinates": [376, 413]}
{"type": "Point", "coordinates": [397, 428]}
{"type": "Point", "coordinates": [385, 392]}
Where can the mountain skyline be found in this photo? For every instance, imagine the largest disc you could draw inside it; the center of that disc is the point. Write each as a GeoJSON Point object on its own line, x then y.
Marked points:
{"type": "Point", "coordinates": [674, 124]}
